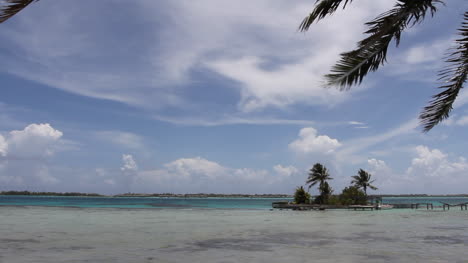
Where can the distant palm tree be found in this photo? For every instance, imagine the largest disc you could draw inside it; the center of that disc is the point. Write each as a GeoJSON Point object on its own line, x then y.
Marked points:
{"type": "Point", "coordinates": [363, 180]}
{"type": "Point", "coordinates": [318, 174]}
{"type": "Point", "coordinates": [371, 52]}
{"type": "Point", "coordinates": [9, 8]}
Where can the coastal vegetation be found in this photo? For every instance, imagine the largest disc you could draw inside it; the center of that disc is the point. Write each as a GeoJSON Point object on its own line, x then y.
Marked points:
{"type": "Point", "coordinates": [197, 195]}
{"type": "Point", "coordinates": [319, 174]}
{"type": "Point", "coordinates": [301, 196]}
{"type": "Point", "coordinates": [363, 180]}
{"type": "Point", "coordinates": [48, 193]}
{"type": "Point", "coordinates": [355, 194]}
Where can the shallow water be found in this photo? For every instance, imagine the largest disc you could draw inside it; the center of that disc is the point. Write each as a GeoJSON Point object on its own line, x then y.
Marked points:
{"type": "Point", "coordinates": [213, 203]}
{"type": "Point", "coordinates": [56, 234]}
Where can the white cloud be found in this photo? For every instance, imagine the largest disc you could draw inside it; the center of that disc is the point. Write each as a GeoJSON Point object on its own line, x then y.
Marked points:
{"type": "Point", "coordinates": [125, 139]}
{"type": "Point", "coordinates": [24, 153]}
{"type": "Point", "coordinates": [273, 65]}
{"type": "Point", "coordinates": [463, 121]}
{"type": "Point", "coordinates": [34, 141]}
{"type": "Point", "coordinates": [3, 146]}
{"type": "Point", "coordinates": [195, 166]}
{"type": "Point", "coordinates": [431, 171]}
{"type": "Point", "coordinates": [434, 163]}
{"type": "Point", "coordinates": [231, 120]}
{"type": "Point", "coordinates": [110, 182]}
{"type": "Point", "coordinates": [455, 120]}
{"type": "Point", "coordinates": [351, 148]}
{"type": "Point", "coordinates": [462, 99]}
{"type": "Point", "coordinates": [129, 164]}
{"type": "Point", "coordinates": [358, 123]}
{"type": "Point", "coordinates": [310, 142]}
{"type": "Point", "coordinates": [11, 181]}
{"type": "Point", "coordinates": [377, 164]}
{"type": "Point", "coordinates": [428, 52]}
{"type": "Point", "coordinates": [201, 175]}
{"type": "Point", "coordinates": [285, 171]}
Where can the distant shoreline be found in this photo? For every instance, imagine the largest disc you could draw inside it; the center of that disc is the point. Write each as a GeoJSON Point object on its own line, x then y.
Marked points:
{"type": "Point", "coordinates": [201, 195]}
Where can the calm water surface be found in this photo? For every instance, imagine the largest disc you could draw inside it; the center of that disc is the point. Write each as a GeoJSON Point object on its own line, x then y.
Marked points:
{"type": "Point", "coordinates": [157, 202]}
{"type": "Point", "coordinates": [193, 234]}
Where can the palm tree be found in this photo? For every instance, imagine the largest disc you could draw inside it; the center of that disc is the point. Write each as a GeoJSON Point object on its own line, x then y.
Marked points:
{"type": "Point", "coordinates": [363, 180]}
{"type": "Point", "coordinates": [318, 174]}
{"type": "Point", "coordinates": [11, 7]}
{"type": "Point", "coordinates": [371, 52]}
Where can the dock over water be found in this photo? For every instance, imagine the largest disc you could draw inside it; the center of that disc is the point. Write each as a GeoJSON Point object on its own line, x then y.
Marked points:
{"type": "Point", "coordinates": [303, 207]}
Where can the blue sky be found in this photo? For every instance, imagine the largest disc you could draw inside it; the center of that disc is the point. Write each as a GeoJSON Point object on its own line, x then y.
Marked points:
{"type": "Point", "coordinates": [217, 96]}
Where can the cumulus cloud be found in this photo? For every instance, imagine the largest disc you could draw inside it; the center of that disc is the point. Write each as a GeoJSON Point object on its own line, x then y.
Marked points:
{"type": "Point", "coordinates": [3, 146]}
{"type": "Point", "coordinates": [34, 141]}
{"type": "Point", "coordinates": [24, 152]}
{"type": "Point", "coordinates": [285, 171]}
{"type": "Point", "coordinates": [435, 163]}
{"type": "Point", "coordinates": [201, 175]}
{"type": "Point", "coordinates": [186, 167]}
{"type": "Point", "coordinates": [129, 164]}
{"type": "Point", "coordinates": [310, 142]}
{"type": "Point", "coordinates": [431, 171]}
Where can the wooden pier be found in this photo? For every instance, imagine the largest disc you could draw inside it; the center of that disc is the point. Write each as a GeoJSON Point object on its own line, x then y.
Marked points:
{"type": "Point", "coordinates": [463, 206]}
{"type": "Point", "coordinates": [302, 207]}
{"type": "Point", "coordinates": [362, 207]}
{"type": "Point", "coordinates": [428, 205]}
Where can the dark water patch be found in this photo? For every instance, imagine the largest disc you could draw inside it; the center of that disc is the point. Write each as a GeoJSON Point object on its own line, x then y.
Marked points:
{"type": "Point", "coordinates": [170, 205]}
{"type": "Point", "coordinates": [262, 243]}
{"type": "Point", "coordinates": [379, 257]}
{"type": "Point", "coordinates": [456, 228]}
{"type": "Point", "coordinates": [72, 248]}
{"type": "Point", "coordinates": [446, 240]}
{"type": "Point", "coordinates": [11, 240]}
{"type": "Point", "coordinates": [363, 224]}
{"type": "Point", "coordinates": [370, 236]}
{"type": "Point", "coordinates": [232, 244]}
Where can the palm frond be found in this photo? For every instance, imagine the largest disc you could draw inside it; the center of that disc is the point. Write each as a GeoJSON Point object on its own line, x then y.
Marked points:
{"type": "Point", "coordinates": [454, 76]}
{"type": "Point", "coordinates": [322, 9]}
{"type": "Point", "coordinates": [9, 8]}
{"type": "Point", "coordinates": [372, 51]}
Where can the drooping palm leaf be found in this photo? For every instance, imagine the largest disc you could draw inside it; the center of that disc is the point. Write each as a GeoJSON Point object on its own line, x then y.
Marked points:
{"type": "Point", "coordinates": [454, 76]}
{"type": "Point", "coordinates": [372, 51]}
{"type": "Point", "coordinates": [9, 8]}
{"type": "Point", "coordinates": [322, 9]}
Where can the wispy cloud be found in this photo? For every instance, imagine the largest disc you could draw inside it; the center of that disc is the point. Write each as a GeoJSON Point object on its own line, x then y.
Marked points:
{"type": "Point", "coordinates": [125, 139]}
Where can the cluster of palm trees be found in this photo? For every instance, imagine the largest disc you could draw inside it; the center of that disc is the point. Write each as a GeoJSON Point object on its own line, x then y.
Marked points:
{"type": "Point", "coordinates": [319, 174]}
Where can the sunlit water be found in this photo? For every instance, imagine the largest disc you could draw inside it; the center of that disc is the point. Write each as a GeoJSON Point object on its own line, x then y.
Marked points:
{"type": "Point", "coordinates": [66, 234]}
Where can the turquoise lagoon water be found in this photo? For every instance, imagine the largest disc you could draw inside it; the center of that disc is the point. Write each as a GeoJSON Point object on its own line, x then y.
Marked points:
{"type": "Point", "coordinates": [203, 230]}
{"type": "Point", "coordinates": [157, 202]}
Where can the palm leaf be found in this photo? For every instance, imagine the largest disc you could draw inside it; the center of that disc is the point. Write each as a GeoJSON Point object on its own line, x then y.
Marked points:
{"type": "Point", "coordinates": [454, 76]}
{"type": "Point", "coordinates": [372, 51]}
{"type": "Point", "coordinates": [9, 8]}
{"type": "Point", "coordinates": [322, 9]}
